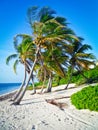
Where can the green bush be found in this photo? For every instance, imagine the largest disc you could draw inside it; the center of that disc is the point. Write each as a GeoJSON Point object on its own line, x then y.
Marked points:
{"type": "Point", "coordinates": [92, 75]}
{"type": "Point", "coordinates": [87, 98]}
{"type": "Point", "coordinates": [63, 81]}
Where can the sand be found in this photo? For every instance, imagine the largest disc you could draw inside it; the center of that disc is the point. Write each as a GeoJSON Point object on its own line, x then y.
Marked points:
{"type": "Point", "coordinates": [34, 113]}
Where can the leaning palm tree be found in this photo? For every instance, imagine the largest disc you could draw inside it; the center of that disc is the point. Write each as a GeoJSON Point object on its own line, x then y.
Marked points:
{"type": "Point", "coordinates": [46, 31]}
{"type": "Point", "coordinates": [23, 52]}
{"type": "Point", "coordinates": [33, 12]}
{"type": "Point", "coordinates": [79, 59]}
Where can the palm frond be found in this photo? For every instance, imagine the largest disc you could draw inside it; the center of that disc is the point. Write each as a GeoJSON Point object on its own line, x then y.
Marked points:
{"type": "Point", "coordinates": [85, 63]}
{"type": "Point", "coordinates": [13, 56]}
{"type": "Point", "coordinates": [23, 36]}
{"type": "Point", "coordinates": [85, 55]}
{"type": "Point", "coordinates": [73, 37]}
{"type": "Point", "coordinates": [61, 20]}
{"type": "Point", "coordinates": [84, 48]}
{"type": "Point", "coordinates": [15, 65]}
{"type": "Point", "coordinates": [15, 42]}
{"type": "Point", "coordinates": [45, 14]}
{"type": "Point", "coordinates": [53, 21]}
{"type": "Point", "coordinates": [32, 14]}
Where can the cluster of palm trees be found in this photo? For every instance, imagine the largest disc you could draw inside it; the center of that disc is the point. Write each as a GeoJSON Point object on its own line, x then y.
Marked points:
{"type": "Point", "coordinates": [52, 49]}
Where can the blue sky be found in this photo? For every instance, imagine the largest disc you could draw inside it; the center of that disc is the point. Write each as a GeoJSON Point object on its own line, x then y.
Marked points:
{"type": "Point", "coordinates": [81, 14]}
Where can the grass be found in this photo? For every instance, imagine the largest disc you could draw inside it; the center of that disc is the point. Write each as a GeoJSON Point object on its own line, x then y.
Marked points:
{"type": "Point", "coordinates": [87, 98]}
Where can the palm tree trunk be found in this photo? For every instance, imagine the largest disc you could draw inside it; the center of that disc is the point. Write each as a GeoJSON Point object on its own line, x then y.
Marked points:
{"type": "Point", "coordinates": [18, 100]}
{"type": "Point", "coordinates": [34, 89]}
{"type": "Point", "coordinates": [21, 88]}
{"type": "Point", "coordinates": [49, 86]}
{"type": "Point", "coordinates": [70, 78]}
{"type": "Point", "coordinates": [42, 88]}
{"type": "Point", "coordinates": [43, 81]}
{"type": "Point", "coordinates": [28, 70]}
{"type": "Point", "coordinates": [42, 62]}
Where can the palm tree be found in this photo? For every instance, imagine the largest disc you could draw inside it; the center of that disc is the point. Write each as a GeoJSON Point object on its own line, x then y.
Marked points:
{"type": "Point", "coordinates": [43, 75]}
{"type": "Point", "coordinates": [79, 59]}
{"type": "Point", "coordinates": [46, 31]}
{"type": "Point", "coordinates": [54, 63]}
{"type": "Point", "coordinates": [23, 52]}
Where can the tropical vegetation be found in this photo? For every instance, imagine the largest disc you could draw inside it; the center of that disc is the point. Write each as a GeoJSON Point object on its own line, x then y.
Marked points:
{"type": "Point", "coordinates": [77, 78]}
{"type": "Point", "coordinates": [52, 49]}
{"type": "Point", "coordinates": [87, 98]}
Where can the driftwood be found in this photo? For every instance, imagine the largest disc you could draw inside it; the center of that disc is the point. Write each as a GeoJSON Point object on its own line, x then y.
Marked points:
{"type": "Point", "coordinates": [58, 104]}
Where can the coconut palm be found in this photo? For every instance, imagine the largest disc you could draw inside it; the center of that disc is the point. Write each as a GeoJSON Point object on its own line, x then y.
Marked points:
{"type": "Point", "coordinates": [46, 32]}
{"type": "Point", "coordinates": [79, 59]}
{"type": "Point", "coordinates": [31, 12]}
{"type": "Point", "coordinates": [53, 64]}
{"type": "Point", "coordinates": [23, 52]}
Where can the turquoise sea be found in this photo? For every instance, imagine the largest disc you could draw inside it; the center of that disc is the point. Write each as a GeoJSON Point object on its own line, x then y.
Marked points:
{"type": "Point", "coordinates": [8, 87]}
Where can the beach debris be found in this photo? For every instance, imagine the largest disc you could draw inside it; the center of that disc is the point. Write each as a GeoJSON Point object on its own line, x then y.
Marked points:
{"type": "Point", "coordinates": [58, 104]}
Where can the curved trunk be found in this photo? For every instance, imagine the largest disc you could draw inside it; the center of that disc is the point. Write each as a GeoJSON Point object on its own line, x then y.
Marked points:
{"type": "Point", "coordinates": [28, 70]}
{"type": "Point", "coordinates": [18, 100]}
{"type": "Point", "coordinates": [70, 78]}
{"type": "Point", "coordinates": [21, 87]}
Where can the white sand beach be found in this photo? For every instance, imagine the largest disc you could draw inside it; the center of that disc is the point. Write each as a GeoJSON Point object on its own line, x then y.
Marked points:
{"type": "Point", "coordinates": [34, 113]}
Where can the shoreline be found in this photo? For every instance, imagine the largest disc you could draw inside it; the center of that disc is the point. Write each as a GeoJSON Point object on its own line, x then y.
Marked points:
{"type": "Point", "coordinates": [7, 95]}
{"type": "Point", "coordinates": [6, 88]}
{"type": "Point", "coordinates": [11, 93]}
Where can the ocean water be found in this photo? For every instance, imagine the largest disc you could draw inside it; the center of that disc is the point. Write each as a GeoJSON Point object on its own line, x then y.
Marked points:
{"type": "Point", "coordinates": [8, 87]}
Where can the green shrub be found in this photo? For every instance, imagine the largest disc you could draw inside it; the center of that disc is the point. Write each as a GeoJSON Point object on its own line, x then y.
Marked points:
{"type": "Point", "coordinates": [92, 75]}
{"type": "Point", "coordinates": [87, 98]}
{"type": "Point", "coordinates": [63, 81]}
